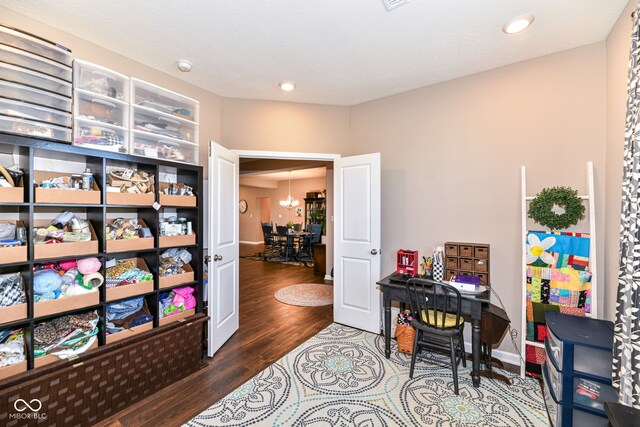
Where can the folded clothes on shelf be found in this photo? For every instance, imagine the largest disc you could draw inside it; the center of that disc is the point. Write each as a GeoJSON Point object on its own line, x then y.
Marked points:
{"type": "Point", "coordinates": [172, 261]}
{"type": "Point", "coordinates": [126, 272]}
{"type": "Point", "coordinates": [11, 290]}
{"type": "Point", "coordinates": [67, 335]}
{"type": "Point", "coordinates": [126, 314]}
{"type": "Point", "coordinates": [66, 278]}
{"type": "Point", "coordinates": [177, 301]}
{"type": "Point", "coordinates": [97, 135]}
{"type": "Point", "coordinates": [11, 347]}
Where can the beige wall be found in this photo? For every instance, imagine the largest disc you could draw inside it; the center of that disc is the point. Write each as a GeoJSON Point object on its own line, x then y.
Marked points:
{"type": "Point", "coordinates": [210, 103]}
{"type": "Point", "coordinates": [618, 43]}
{"type": "Point", "coordinates": [250, 221]}
{"type": "Point", "coordinates": [284, 126]}
{"type": "Point", "coordinates": [451, 155]}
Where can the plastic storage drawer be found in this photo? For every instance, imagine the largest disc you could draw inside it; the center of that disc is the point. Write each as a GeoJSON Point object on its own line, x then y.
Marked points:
{"type": "Point", "coordinates": [34, 96]}
{"type": "Point", "coordinates": [149, 145]}
{"type": "Point", "coordinates": [164, 101]}
{"type": "Point", "coordinates": [555, 411]}
{"type": "Point", "coordinates": [99, 80]}
{"type": "Point", "coordinates": [34, 129]}
{"type": "Point", "coordinates": [100, 136]}
{"type": "Point", "coordinates": [586, 359]}
{"type": "Point", "coordinates": [586, 392]}
{"type": "Point", "coordinates": [33, 62]}
{"type": "Point", "coordinates": [34, 79]}
{"type": "Point", "coordinates": [101, 109]}
{"type": "Point", "coordinates": [24, 110]}
{"type": "Point", "coordinates": [33, 44]}
{"type": "Point", "coordinates": [165, 125]}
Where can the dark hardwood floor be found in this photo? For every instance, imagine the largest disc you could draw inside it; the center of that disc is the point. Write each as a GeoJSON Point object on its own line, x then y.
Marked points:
{"type": "Point", "coordinates": [268, 331]}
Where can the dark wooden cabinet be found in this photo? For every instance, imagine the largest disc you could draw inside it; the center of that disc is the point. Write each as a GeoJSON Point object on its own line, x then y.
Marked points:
{"type": "Point", "coordinates": [320, 259]}
{"type": "Point", "coordinates": [315, 212]}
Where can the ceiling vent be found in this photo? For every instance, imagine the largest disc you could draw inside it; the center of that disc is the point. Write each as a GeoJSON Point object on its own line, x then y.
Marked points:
{"type": "Point", "coordinates": [392, 4]}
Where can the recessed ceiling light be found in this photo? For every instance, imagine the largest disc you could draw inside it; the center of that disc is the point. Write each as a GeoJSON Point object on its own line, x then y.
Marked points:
{"type": "Point", "coordinates": [184, 65]}
{"type": "Point", "coordinates": [287, 86]}
{"type": "Point", "coordinates": [518, 24]}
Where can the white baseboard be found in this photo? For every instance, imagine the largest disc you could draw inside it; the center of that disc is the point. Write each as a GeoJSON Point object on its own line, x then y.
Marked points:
{"type": "Point", "coordinates": [503, 356]}
{"type": "Point", "coordinates": [251, 243]}
{"type": "Point", "coordinates": [328, 277]}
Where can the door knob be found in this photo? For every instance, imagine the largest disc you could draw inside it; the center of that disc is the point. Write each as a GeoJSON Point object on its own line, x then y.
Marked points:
{"type": "Point", "coordinates": [207, 259]}
{"type": "Point", "coordinates": [217, 257]}
{"type": "Point", "coordinates": [374, 252]}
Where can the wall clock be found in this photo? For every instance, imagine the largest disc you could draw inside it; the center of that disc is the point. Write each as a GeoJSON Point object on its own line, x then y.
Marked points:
{"type": "Point", "coordinates": [243, 205]}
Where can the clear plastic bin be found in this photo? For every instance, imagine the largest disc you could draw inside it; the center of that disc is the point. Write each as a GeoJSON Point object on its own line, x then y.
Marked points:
{"type": "Point", "coordinates": [34, 79]}
{"type": "Point", "coordinates": [164, 101]}
{"type": "Point", "coordinates": [579, 418]}
{"type": "Point", "coordinates": [33, 62]}
{"type": "Point", "coordinates": [587, 360]}
{"type": "Point", "coordinates": [34, 96]}
{"type": "Point", "coordinates": [24, 110]}
{"type": "Point", "coordinates": [34, 129]}
{"type": "Point", "coordinates": [164, 125]}
{"type": "Point", "coordinates": [100, 136]}
{"type": "Point", "coordinates": [100, 108]}
{"type": "Point", "coordinates": [591, 394]}
{"type": "Point", "coordinates": [150, 145]}
{"type": "Point", "coordinates": [34, 44]}
{"type": "Point", "coordinates": [99, 80]}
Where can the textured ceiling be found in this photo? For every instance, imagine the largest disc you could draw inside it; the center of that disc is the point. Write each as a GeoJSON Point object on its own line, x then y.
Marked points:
{"type": "Point", "coordinates": [337, 52]}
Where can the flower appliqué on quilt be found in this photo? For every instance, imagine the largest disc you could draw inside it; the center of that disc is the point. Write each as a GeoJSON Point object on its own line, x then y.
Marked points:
{"type": "Point", "coordinates": [537, 249]}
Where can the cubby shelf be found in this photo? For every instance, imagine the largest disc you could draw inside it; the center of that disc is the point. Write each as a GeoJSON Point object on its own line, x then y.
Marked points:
{"type": "Point", "coordinates": [29, 149]}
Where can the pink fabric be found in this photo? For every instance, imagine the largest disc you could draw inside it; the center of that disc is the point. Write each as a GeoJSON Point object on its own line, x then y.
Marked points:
{"type": "Point", "coordinates": [68, 265]}
{"type": "Point", "coordinates": [184, 296]}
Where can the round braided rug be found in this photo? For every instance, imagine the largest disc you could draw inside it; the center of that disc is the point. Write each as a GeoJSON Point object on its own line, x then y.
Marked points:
{"type": "Point", "coordinates": [306, 295]}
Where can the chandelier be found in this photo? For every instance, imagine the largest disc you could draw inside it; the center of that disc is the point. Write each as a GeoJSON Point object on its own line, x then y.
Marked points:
{"type": "Point", "coordinates": [290, 202]}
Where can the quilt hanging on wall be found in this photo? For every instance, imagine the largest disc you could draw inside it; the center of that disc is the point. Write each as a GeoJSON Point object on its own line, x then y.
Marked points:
{"type": "Point", "coordinates": [558, 279]}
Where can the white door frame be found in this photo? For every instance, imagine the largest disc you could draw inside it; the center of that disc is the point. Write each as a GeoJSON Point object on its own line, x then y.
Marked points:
{"type": "Point", "coordinates": [291, 155]}
{"type": "Point", "coordinates": [285, 155]}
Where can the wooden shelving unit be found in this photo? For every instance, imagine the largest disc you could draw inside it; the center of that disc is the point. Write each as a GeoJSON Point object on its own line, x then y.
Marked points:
{"type": "Point", "coordinates": [28, 151]}
{"type": "Point", "coordinates": [469, 259]}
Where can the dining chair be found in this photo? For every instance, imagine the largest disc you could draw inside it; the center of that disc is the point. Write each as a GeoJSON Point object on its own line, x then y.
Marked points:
{"type": "Point", "coordinates": [267, 235]}
{"type": "Point", "coordinates": [436, 316]}
{"type": "Point", "coordinates": [282, 232]}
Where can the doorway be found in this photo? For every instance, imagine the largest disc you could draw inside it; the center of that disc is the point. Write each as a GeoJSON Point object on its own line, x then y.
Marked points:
{"type": "Point", "coordinates": [357, 220]}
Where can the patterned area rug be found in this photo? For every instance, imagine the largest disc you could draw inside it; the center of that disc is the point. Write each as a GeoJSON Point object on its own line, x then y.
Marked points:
{"type": "Point", "coordinates": [306, 295]}
{"type": "Point", "coordinates": [259, 256]}
{"type": "Point", "coordinates": [340, 377]}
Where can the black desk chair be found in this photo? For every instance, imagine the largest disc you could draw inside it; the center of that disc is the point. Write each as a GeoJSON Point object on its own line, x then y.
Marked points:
{"type": "Point", "coordinates": [436, 316]}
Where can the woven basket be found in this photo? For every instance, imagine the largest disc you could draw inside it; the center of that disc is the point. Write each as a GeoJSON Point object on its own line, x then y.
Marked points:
{"type": "Point", "coordinates": [405, 335]}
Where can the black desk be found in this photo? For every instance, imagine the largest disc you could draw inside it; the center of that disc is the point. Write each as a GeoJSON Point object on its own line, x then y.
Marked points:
{"type": "Point", "coordinates": [471, 306]}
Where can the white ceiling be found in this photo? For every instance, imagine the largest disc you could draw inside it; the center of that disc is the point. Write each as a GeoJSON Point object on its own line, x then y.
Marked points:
{"type": "Point", "coordinates": [337, 52]}
{"type": "Point", "coordinates": [296, 174]}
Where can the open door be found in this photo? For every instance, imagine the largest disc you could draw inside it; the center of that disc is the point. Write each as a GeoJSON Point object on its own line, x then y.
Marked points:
{"type": "Point", "coordinates": [223, 288]}
{"type": "Point", "coordinates": [357, 242]}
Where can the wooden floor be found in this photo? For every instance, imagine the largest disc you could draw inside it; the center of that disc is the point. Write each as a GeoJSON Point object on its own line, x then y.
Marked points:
{"type": "Point", "coordinates": [268, 331]}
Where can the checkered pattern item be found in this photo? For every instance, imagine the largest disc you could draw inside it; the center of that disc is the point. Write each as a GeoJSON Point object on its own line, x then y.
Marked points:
{"type": "Point", "coordinates": [438, 271]}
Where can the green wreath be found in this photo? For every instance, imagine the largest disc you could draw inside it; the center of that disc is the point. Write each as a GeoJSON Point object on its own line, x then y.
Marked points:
{"type": "Point", "coordinates": [565, 197]}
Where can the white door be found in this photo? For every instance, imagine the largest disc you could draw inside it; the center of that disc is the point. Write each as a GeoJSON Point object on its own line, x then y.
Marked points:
{"type": "Point", "coordinates": [223, 285]}
{"type": "Point", "coordinates": [357, 242]}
